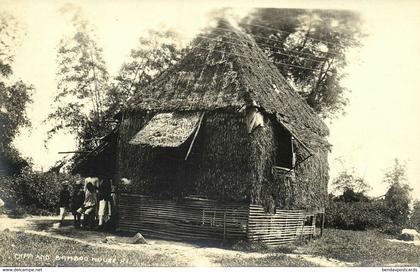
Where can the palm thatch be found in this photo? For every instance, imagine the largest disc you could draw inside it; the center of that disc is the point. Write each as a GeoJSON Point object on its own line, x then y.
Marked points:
{"type": "Point", "coordinates": [167, 129]}
{"type": "Point", "coordinates": [225, 68]}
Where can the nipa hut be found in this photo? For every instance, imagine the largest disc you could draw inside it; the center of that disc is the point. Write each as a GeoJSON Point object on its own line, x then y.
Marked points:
{"type": "Point", "coordinates": [220, 146]}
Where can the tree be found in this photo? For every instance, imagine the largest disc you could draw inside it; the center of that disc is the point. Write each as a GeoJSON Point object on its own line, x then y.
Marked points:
{"type": "Point", "coordinates": [308, 47]}
{"type": "Point", "coordinates": [415, 216]}
{"type": "Point", "coordinates": [82, 82]}
{"type": "Point", "coordinates": [397, 198]}
{"type": "Point", "coordinates": [14, 97]}
{"type": "Point", "coordinates": [351, 187]}
{"type": "Point", "coordinates": [10, 36]}
{"type": "Point", "coordinates": [155, 53]}
{"type": "Point", "coordinates": [396, 174]}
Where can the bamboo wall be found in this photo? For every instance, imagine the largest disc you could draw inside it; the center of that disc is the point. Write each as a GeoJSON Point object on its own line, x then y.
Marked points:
{"type": "Point", "coordinates": [204, 219]}
{"type": "Point", "coordinates": [284, 226]}
{"type": "Point", "coordinates": [194, 218]}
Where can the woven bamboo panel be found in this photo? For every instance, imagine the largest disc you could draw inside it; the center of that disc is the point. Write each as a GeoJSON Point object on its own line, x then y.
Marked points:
{"type": "Point", "coordinates": [285, 226]}
{"type": "Point", "coordinates": [193, 218]}
{"type": "Point", "coordinates": [204, 219]}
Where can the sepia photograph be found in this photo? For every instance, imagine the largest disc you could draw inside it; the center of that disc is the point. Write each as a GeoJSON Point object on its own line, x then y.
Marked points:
{"type": "Point", "coordinates": [209, 134]}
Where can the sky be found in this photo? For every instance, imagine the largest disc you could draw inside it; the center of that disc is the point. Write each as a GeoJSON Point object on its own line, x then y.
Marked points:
{"type": "Point", "coordinates": [382, 120]}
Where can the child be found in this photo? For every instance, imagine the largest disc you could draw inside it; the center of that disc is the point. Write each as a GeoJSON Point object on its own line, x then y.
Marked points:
{"type": "Point", "coordinates": [77, 202]}
{"type": "Point", "coordinates": [64, 200]}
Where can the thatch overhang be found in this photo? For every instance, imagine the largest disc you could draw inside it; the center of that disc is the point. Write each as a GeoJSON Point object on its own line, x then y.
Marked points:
{"type": "Point", "coordinates": [167, 129]}
{"type": "Point", "coordinates": [225, 69]}
{"type": "Point", "coordinates": [100, 161]}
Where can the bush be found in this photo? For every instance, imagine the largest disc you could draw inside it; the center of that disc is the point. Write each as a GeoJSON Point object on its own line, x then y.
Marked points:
{"type": "Point", "coordinates": [32, 192]}
{"type": "Point", "coordinates": [356, 216]}
{"type": "Point", "coordinates": [397, 201]}
{"type": "Point", "coordinates": [391, 229]}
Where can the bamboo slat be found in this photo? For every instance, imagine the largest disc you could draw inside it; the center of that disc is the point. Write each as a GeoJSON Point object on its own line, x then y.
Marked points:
{"type": "Point", "coordinates": [199, 218]}
{"type": "Point", "coordinates": [282, 227]}
{"type": "Point", "coordinates": [193, 218]}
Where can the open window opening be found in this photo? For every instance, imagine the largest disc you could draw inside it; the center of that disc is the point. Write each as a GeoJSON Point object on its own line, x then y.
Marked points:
{"type": "Point", "coordinates": [286, 156]}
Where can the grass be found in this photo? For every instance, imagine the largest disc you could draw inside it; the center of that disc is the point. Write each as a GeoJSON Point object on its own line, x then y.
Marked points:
{"type": "Point", "coordinates": [364, 248]}
{"type": "Point", "coordinates": [271, 260]}
{"type": "Point", "coordinates": [23, 249]}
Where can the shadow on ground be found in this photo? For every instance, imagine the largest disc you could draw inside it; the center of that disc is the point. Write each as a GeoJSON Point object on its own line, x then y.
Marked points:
{"type": "Point", "coordinates": [67, 229]}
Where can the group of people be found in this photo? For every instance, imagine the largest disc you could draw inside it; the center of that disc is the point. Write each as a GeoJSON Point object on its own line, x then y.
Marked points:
{"type": "Point", "coordinates": [92, 203]}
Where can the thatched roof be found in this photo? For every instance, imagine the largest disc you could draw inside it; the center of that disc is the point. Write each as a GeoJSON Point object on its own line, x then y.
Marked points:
{"type": "Point", "coordinates": [99, 161]}
{"type": "Point", "coordinates": [227, 70]}
{"type": "Point", "coordinates": [167, 129]}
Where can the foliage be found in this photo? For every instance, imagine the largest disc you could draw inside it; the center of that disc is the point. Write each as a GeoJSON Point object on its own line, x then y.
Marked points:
{"type": "Point", "coordinates": [415, 216]}
{"type": "Point", "coordinates": [32, 192]}
{"type": "Point", "coordinates": [316, 40]}
{"type": "Point", "coordinates": [351, 196]}
{"type": "Point", "coordinates": [82, 79]}
{"type": "Point", "coordinates": [354, 210]}
{"type": "Point", "coordinates": [356, 216]}
{"type": "Point", "coordinates": [155, 52]}
{"type": "Point", "coordinates": [10, 36]}
{"type": "Point", "coordinates": [14, 97]}
{"type": "Point", "coordinates": [397, 201]}
{"type": "Point", "coordinates": [396, 174]}
{"type": "Point", "coordinates": [87, 98]}
{"type": "Point", "coordinates": [349, 183]}
{"type": "Point", "coordinates": [13, 101]}
{"type": "Point", "coordinates": [397, 198]}
{"type": "Point", "coordinates": [363, 248]}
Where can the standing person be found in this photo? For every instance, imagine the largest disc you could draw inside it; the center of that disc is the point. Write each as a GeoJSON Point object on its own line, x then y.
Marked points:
{"type": "Point", "coordinates": [64, 201]}
{"type": "Point", "coordinates": [104, 197]}
{"type": "Point", "coordinates": [77, 200]}
{"type": "Point", "coordinates": [113, 208]}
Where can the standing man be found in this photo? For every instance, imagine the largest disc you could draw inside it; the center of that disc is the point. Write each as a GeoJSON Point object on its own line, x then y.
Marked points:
{"type": "Point", "coordinates": [64, 200]}
{"type": "Point", "coordinates": [104, 198]}
{"type": "Point", "coordinates": [114, 207]}
{"type": "Point", "coordinates": [77, 200]}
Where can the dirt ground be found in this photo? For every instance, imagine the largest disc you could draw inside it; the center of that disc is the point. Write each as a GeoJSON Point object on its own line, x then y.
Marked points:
{"type": "Point", "coordinates": [190, 253]}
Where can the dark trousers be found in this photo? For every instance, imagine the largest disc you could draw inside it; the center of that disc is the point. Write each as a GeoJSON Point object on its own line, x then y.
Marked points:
{"type": "Point", "coordinates": [77, 219]}
{"type": "Point", "coordinates": [89, 220]}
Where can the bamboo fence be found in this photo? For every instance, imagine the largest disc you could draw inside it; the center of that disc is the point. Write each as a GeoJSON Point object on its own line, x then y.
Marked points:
{"type": "Point", "coordinates": [204, 219]}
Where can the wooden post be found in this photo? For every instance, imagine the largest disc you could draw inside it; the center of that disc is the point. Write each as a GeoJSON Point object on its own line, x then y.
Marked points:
{"type": "Point", "coordinates": [248, 236]}
{"type": "Point", "coordinates": [300, 238]}
{"type": "Point", "coordinates": [323, 222]}
{"type": "Point", "coordinates": [224, 225]}
{"type": "Point", "coordinates": [313, 226]}
{"type": "Point", "coordinates": [195, 136]}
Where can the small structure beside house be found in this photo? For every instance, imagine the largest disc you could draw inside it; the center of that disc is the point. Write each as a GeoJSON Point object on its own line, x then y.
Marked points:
{"type": "Point", "coordinates": [220, 146]}
{"type": "Point", "coordinates": [99, 162]}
